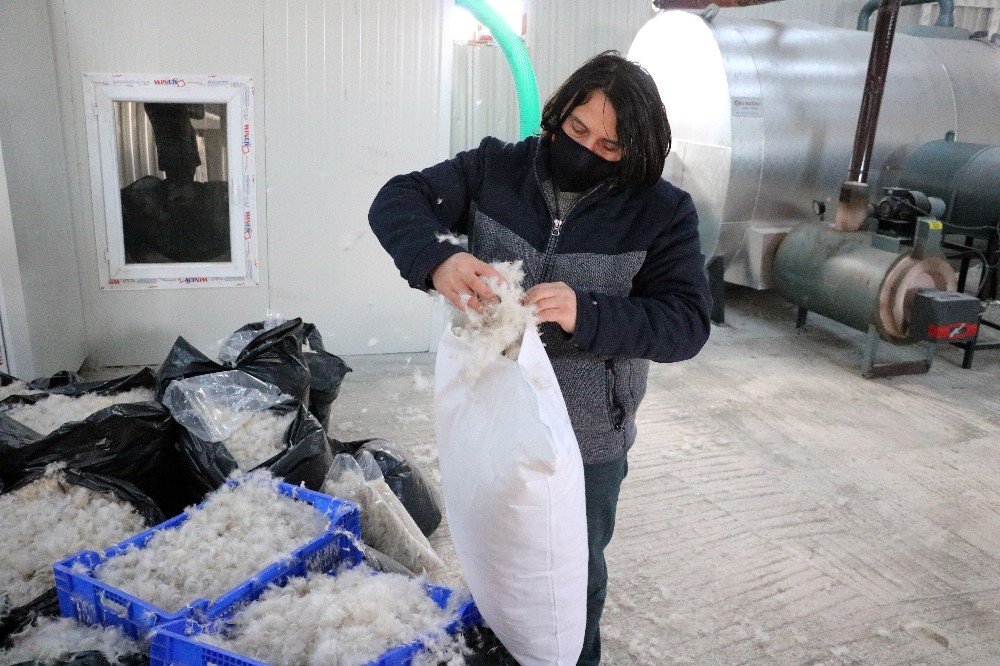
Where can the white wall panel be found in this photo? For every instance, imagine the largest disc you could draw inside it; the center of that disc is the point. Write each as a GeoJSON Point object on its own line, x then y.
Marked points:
{"type": "Point", "coordinates": [562, 34]}
{"type": "Point", "coordinates": [14, 358]}
{"type": "Point", "coordinates": [177, 38]}
{"type": "Point", "coordinates": [49, 334]}
{"type": "Point", "coordinates": [484, 100]}
{"type": "Point", "coordinates": [355, 96]}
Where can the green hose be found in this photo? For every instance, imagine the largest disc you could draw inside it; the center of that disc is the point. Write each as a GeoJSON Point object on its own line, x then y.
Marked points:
{"type": "Point", "coordinates": [528, 106]}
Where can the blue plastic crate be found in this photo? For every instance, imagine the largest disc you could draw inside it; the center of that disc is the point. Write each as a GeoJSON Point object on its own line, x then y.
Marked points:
{"type": "Point", "coordinates": [89, 600]}
{"type": "Point", "coordinates": [177, 644]}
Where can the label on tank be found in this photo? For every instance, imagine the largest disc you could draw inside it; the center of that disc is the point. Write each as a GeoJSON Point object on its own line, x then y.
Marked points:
{"type": "Point", "coordinates": [748, 107]}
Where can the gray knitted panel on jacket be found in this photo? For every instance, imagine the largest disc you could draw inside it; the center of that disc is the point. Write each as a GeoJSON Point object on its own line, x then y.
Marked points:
{"type": "Point", "coordinates": [602, 394]}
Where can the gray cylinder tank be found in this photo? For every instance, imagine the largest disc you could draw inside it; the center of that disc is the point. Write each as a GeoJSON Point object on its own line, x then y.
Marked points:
{"type": "Point", "coordinates": [764, 113]}
{"type": "Point", "coordinates": [966, 176]}
{"type": "Point", "coordinates": [841, 275]}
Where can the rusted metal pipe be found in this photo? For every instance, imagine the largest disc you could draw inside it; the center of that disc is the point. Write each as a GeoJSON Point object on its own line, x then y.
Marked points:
{"type": "Point", "coordinates": [852, 207]}
{"type": "Point", "coordinates": [871, 101]}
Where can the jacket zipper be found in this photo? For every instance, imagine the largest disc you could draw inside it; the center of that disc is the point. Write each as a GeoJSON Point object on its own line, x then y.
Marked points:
{"type": "Point", "coordinates": [557, 223]}
{"type": "Point", "coordinates": [615, 408]}
{"type": "Point", "coordinates": [550, 246]}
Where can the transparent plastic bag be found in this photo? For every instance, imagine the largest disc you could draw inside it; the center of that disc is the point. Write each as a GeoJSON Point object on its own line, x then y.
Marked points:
{"type": "Point", "coordinates": [385, 523]}
{"type": "Point", "coordinates": [415, 489]}
{"type": "Point", "coordinates": [213, 406]}
{"type": "Point", "coordinates": [230, 347]}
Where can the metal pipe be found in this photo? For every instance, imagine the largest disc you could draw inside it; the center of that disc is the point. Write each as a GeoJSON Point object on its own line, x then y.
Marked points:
{"type": "Point", "coordinates": [664, 5]}
{"type": "Point", "coordinates": [871, 101]}
{"type": "Point", "coordinates": [946, 12]}
{"type": "Point", "coordinates": [852, 207]}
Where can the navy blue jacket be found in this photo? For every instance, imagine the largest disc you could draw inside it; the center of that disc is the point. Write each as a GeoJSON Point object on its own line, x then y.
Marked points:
{"type": "Point", "coordinates": [633, 258]}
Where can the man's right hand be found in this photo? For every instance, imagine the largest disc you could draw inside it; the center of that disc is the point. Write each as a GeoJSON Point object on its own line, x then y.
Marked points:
{"type": "Point", "coordinates": [459, 279]}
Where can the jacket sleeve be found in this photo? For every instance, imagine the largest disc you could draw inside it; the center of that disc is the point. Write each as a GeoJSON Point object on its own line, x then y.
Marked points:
{"type": "Point", "coordinates": [666, 317]}
{"type": "Point", "coordinates": [411, 211]}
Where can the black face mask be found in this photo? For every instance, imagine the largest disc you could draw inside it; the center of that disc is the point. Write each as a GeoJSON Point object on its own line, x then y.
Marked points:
{"type": "Point", "coordinates": [574, 167]}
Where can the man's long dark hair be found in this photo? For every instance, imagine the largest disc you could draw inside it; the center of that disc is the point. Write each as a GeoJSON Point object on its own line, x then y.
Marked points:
{"type": "Point", "coordinates": [642, 127]}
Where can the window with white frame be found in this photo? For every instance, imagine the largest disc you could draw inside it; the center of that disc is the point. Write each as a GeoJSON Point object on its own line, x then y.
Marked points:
{"type": "Point", "coordinates": [172, 170]}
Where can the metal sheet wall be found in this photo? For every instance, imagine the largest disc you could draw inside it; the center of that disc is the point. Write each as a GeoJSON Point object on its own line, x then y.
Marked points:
{"type": "Point", "coordinates": [355, 96]}
{"type": "Point", "coordinates": [483, 97]}
{"type": "Point", "coordinates": [149, 37]}
{"type": "Point", "coordinates": [347, 94]}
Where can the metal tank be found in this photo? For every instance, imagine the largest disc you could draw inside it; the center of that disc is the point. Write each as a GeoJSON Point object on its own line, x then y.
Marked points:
{"type": "Point", "coordinates": [966, 176]}
{"type": "Point", "coordinates": [845, 276]}
{"type": "Point", "coordinates": [764, 114]}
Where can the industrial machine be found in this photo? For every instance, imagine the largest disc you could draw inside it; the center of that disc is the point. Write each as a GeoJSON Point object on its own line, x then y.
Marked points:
{"type": "Point", "coordinates": [768, 137]}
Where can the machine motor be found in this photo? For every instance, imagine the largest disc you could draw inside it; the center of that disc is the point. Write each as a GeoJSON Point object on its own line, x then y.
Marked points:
{"type": "Point", "coordinates": [899, 209]}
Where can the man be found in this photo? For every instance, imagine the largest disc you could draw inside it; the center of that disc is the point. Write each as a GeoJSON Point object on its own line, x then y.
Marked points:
{"type": "Point", "coordinates": [610, 251]}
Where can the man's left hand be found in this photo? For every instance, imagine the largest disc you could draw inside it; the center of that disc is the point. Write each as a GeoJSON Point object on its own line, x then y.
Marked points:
{"type": "Point", "coordinates": [554, 301]}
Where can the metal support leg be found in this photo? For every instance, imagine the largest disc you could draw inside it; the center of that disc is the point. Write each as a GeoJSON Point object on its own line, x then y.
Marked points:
{"type": "Point", "coordinates": [800, 318]}
{"type": "Point", "coordinates": [930, 353]}
{"type": "Point", "coordinates": [970, 347]}
{"type": "Point", "coordinates": [868, 356]}
{"type": "Point", "coordinates": [717, 287]}
{"type": "Point", "coordinates": [870, 369]}
{"type": "Point", "coordinates": [990, 275]}
{"type": "Point", "coordinates": [963, 266]}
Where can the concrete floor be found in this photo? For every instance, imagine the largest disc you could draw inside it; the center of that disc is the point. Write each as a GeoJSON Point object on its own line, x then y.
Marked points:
{"type": "Point", "coordinates": [780, 509]}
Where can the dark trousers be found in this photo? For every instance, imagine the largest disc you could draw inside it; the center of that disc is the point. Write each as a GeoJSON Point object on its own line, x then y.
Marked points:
{"type": "Point", "coordinates": [602, 483]}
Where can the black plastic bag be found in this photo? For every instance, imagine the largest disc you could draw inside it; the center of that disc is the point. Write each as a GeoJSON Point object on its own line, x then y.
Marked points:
{"type": "Point", "coordinates": [44, 605]}
{"type": "Point", "coordinates": [133, 442]}
{"type": "Point", "coordinates": [305, 458]}
{"type": "Point", "coordinates": [414, 489]}
{"type": "Point", "coordinates": [142, 379]}
{"type": "Point", "coordinates": [326, 370]}
{"type": "Point", "coordinates": [59, 379]}
{"type": "Point", "coordinates": [61, 384]}
{"type": "Point", "coordinates": [47, 603]}
{"type": "Point", "coordinates": [16, 438]}
{"type": "Point", "coordinates": [123, 490]}
{"type": "Point", "coordinates": [90, 658]}
{"type": "Point", "coordinates": [275, 357]}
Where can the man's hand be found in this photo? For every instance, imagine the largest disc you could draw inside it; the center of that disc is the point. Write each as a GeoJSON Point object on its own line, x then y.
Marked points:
{"type": "Point", "coordinates": [459, 279]}
{"type": "Point", "coordinates": [555, 301]}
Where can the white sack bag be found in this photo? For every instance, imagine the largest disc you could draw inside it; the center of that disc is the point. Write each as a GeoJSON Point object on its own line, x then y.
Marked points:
{"type": "Point", "coordinates": [513, 487]}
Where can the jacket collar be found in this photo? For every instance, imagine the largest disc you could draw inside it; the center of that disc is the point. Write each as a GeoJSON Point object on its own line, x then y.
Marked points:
{"type": "Point", "coordinates": [543, 178]}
